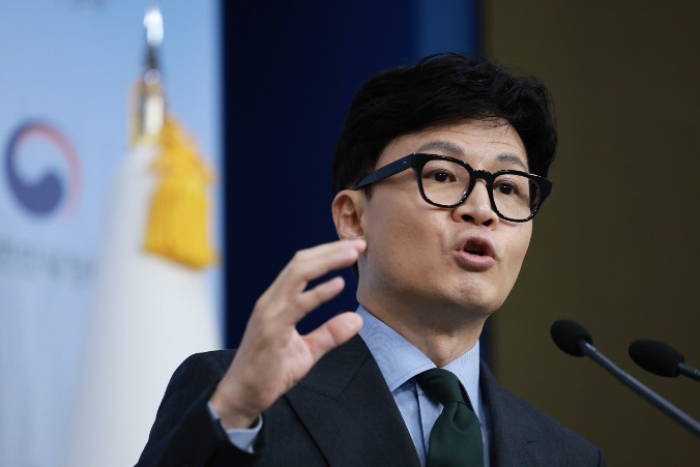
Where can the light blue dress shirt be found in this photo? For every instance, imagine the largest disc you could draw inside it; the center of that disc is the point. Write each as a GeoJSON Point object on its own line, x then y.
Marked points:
{"type": "Point", "coordinates": [400, 361]}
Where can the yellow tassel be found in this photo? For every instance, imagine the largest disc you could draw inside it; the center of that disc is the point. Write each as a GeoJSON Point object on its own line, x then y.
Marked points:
{"type": "Point", "coordinates": [177, 224]}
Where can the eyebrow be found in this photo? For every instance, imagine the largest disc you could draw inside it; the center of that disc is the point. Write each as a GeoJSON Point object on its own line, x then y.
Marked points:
{"type": "Point", "coordinates": [446, 146]}
{"type": "Point", "coordinates": [455, 149]}
{"type": "Point", "coordinates": [513, 159]}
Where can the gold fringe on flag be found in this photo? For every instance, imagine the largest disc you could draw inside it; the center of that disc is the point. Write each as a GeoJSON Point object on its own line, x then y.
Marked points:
{"type": "Point", "coordinates": [177, 223]}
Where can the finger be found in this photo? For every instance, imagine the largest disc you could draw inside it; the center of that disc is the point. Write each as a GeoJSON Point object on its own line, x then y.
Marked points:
{"type": "Point", "coordinates": [312, 263]}
{"type": "Point", "coordinates": [308, 265]}
{"type": "Point", "coordinates": [338, 330]}
{"type": "Point", "coordinates": [308, 301]}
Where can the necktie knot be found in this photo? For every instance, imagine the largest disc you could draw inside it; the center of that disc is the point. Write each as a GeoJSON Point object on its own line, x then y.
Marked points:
{"type": "Point", "coordinates": [455, 440]}
{"type": "Point", "coordinates": [441, 385]}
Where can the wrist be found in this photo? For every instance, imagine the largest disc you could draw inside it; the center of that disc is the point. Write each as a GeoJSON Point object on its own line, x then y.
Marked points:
{"type": "Point", "coordinates": [229, 414]}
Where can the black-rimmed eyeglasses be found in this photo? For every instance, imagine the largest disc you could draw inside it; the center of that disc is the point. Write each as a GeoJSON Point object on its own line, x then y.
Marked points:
{"type": "Point", "coordinates": [446, 182]}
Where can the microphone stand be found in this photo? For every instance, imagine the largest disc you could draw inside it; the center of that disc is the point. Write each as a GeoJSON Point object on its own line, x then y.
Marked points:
{"type": "Point", "coordinates": [662, 404]}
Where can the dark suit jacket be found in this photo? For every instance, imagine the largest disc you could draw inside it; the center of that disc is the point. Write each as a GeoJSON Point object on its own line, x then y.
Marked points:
{"type": "Point", "coordinates": [341, 414]}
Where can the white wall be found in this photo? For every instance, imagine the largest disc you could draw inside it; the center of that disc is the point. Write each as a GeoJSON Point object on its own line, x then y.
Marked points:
{"type": "Point", "coordinates": [71, 64]}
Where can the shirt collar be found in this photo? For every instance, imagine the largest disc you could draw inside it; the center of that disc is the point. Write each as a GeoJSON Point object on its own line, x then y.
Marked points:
{"type": "Point", "coordinates": [399, 360]}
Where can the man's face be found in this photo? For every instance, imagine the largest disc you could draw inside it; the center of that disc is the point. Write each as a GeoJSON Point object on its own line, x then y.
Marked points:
{"type": "Point", "coordinates": [456, 263]}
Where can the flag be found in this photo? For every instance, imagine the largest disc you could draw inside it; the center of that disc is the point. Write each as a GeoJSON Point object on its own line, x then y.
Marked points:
{"type": "Point", "coordinates": [152, 305]}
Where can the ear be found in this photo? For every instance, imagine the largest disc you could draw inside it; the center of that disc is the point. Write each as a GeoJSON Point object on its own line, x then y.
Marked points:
{"type": "Point", "coordinates": [347, 214]}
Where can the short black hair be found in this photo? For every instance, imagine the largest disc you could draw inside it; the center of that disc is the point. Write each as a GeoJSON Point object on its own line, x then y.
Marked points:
{"type": "Point", "coordinates": [439, 90]}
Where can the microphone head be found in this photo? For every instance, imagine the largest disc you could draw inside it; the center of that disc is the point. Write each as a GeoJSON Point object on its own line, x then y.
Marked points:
{"type": "Point", "coordinates": [568, 334]}
{"type": "Point", "coordinates": [656, 357]}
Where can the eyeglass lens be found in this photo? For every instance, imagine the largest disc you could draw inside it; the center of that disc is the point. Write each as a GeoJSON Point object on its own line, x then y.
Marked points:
{"type": "Point", "coordinates": [445, 182]}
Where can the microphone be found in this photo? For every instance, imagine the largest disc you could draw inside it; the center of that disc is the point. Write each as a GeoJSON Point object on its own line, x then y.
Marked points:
{"type": "Point", "coordinates": [661, 359]}
{"type": "Point", "coordinates": [573, 339]}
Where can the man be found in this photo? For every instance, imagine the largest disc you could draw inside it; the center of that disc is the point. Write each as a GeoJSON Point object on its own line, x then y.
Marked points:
{"type": "Point", "coordinates": [438, 173]}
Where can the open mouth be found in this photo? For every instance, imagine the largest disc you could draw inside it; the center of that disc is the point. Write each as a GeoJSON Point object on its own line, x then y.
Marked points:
{"type": "Point", "coordinates": [476, 247]}
{"type": "Point", "coordinates": [477, 254]}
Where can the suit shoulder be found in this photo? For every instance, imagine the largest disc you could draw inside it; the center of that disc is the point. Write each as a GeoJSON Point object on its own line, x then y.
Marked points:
{"type": "Point", "coordinates": [183, 410]}
{"type": "Point", "coordinates": [514, 418]}
{"type": "Point", "coordinates": [207, 361]}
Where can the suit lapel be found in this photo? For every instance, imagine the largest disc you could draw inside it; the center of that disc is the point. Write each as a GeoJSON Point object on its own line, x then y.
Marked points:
{"type": "Point", "coordinates": [513, 433]}
{"type": "Point", "coordinates": [350, 413]}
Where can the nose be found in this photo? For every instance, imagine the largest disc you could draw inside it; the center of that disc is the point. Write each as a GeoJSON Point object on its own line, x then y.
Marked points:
{"type": "Point", "coordinates": [477, 207]}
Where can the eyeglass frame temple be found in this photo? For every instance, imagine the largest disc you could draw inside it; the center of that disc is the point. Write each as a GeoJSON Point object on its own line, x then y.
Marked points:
{"type": "Point", "coordinates": [387, 171]}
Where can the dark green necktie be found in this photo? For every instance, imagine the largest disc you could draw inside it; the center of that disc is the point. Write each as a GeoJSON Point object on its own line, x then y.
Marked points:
{"type": "Point", "coordinates": [456, 436]}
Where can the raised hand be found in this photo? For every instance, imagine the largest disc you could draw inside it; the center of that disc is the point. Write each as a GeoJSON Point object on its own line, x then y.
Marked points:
{"type": "Point", "coordinates": [273, 356]}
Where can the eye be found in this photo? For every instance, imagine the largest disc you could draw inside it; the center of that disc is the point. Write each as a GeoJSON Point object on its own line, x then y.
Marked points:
{"type": "Point", "coordinates": [440, 176]}
{"type": "Point", "coordinates": [506, 187]}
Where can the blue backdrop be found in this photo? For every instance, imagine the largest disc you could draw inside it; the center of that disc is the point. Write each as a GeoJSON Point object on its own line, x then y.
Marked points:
{"type": "Point", "coordinates": [290, 71]}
